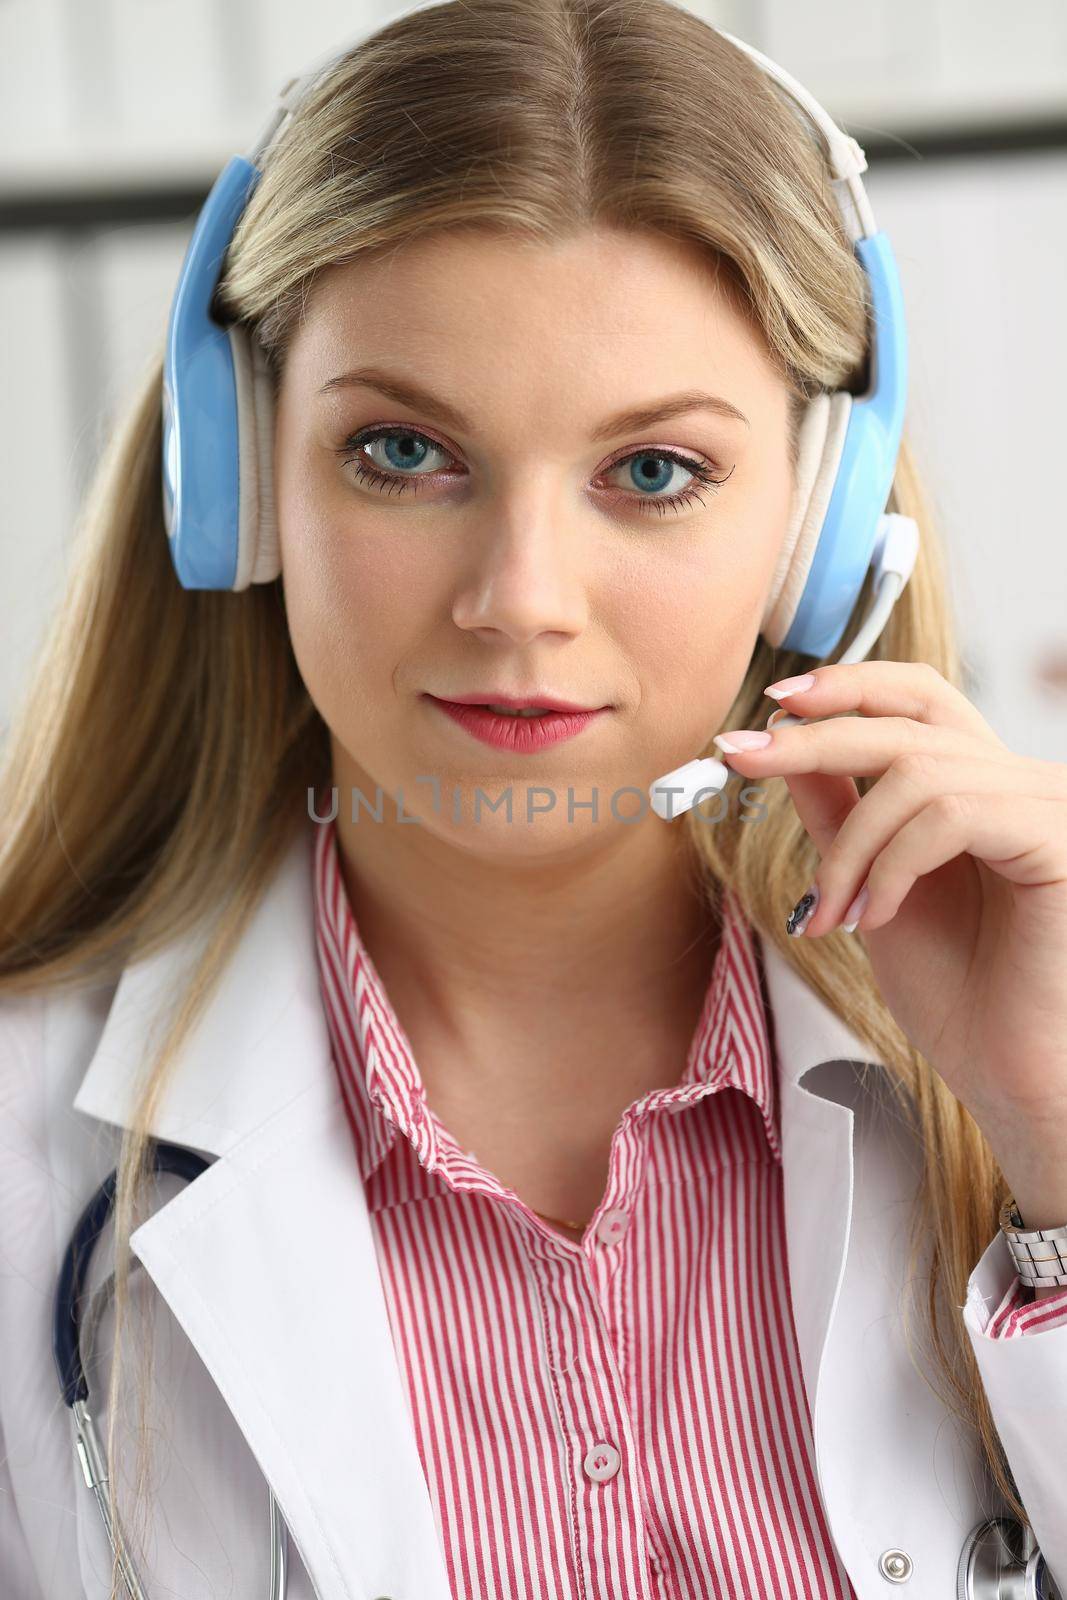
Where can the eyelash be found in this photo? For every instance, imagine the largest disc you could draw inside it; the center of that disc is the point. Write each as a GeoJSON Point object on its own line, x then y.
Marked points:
{"type": "Point", "coordinates": [350, 452]}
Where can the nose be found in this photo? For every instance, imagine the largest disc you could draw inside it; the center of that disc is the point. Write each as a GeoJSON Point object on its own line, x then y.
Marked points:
{"type": "Point", "coordinates": [524, 581]}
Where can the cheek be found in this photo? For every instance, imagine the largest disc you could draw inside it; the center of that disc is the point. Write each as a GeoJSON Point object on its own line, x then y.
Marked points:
{"type": "Point", "coordinates": [351, 605]}
{"type": "Point", "coordinates": [689, 619]}
{"type": "Point", "coordinates": [694, 603]}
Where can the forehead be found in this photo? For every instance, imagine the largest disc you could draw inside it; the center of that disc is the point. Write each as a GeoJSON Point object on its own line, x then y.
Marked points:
{"type": "Point", "coordinates": [478, 312]}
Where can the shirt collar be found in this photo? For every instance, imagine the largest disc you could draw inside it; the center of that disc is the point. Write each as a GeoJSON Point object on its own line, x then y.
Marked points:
{"type": "Point", "coordinates": [384, 1092]}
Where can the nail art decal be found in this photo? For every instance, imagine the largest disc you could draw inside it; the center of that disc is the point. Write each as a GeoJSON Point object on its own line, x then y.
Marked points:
{"type": "Point", "coordinates": [802, 912]}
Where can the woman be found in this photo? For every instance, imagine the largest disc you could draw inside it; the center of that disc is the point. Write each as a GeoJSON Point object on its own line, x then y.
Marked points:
{"type": "Point", "coordinates": [564, 1192]}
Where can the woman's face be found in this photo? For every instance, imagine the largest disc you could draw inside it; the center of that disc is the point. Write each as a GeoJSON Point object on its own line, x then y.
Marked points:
{"type": "Point", "coordinates": [522, 541]}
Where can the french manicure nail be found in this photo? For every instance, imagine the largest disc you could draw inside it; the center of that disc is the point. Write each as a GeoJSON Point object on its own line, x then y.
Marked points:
{"type": "Point", "coordinates": [787, 686]}
{"type": "Point", "coordinates": [741, 739]}
{"type": "Point", "coordinates": [855, 911]}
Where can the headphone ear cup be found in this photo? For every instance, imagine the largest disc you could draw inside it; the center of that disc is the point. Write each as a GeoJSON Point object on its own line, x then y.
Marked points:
{"type": "Point", "coordinates": [820, 444]}
{"type": "Point", "coordinates": [258, 548]}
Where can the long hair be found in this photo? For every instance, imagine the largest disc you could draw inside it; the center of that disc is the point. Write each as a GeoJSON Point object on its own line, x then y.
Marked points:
{"type": "Point", "coordinates": [159, 764]}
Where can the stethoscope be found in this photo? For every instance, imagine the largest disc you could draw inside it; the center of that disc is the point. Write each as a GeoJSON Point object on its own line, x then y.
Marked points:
{"type": "Point", "coordinates": [999, 1560]}
{"type": "Point", "coordinates": [67, 1347]}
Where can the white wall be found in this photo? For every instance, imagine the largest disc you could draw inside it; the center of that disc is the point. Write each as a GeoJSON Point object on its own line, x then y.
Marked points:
{"type": "Point", "coordinates": [981, 246]}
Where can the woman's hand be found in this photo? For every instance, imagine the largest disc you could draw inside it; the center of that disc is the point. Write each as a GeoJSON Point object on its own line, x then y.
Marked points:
{"type": "Point", "coordinates": [961, 846]}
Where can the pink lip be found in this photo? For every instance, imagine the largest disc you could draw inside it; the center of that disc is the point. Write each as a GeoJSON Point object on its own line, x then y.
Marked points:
{"type": "Point", "coordinates": [520, 735]}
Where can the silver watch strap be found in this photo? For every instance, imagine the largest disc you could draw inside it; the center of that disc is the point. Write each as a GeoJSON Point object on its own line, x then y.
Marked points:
{"type": "Point", "coordinates": [1040, 1254]}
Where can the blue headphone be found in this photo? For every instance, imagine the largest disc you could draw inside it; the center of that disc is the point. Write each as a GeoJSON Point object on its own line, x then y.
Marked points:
{"type": "Point", "coordinates": [218, 408]}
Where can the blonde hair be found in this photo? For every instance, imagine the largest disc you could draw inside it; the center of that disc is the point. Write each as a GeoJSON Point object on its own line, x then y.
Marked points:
{"type": "Point", "coordinates": [159, 765]}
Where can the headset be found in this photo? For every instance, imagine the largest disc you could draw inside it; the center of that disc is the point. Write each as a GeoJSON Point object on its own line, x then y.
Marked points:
{"type": "Point", "coordinates": [218, 412]}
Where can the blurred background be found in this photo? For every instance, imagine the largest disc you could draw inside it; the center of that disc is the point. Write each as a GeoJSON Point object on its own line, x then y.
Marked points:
{"type": "Point", "coordinates": [117, 115]}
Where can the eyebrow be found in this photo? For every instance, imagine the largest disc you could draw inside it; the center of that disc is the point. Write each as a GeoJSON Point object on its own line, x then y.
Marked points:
{"type": "Point", "coordinates": [405, 392]}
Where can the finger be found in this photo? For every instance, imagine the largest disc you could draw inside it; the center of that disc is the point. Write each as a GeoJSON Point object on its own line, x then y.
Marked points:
{"type": "Point", "coordinates": [865, 746]}
{"type": "Point", "coordinates": [866, 828]}
{"type": "Point", "coordinates": [912, 689]}
{"type": "Point", "coordinates": [823, 803]}
{"type": "Point", "coordinates": [822, 800]}
{"type": "Point", "coordinates": [1019, 841]}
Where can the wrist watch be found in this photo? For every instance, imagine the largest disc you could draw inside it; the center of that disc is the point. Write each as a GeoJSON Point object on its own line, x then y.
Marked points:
{"type": "Point", "coordinates": [1039, 1254]}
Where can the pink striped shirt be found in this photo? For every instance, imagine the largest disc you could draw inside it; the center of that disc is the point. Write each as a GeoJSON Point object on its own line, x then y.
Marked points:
{"type": "Point", "coordinates": [624, 1414]}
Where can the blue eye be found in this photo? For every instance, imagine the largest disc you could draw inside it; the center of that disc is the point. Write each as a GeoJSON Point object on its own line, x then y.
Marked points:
{"type": "Point", "coordinates": [408, 447]}
{"type": "Point", "coordinates": [655, 468]}
{"type": "Point", "coordinates": [405, 448]}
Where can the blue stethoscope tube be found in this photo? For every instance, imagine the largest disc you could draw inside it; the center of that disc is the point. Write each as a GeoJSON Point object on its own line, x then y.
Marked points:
{"type": "Point", "coordinates": [68, 1335]}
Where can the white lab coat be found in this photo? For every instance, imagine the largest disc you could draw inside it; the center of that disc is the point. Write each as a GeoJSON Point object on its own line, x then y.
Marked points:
{"type": "Point", "coordinates": [273, 1348]}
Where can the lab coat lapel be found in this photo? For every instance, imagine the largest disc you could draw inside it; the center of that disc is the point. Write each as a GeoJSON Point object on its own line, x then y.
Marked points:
{"type": "Point", "coordinates": [276, 1229]}
{"type": "Point", "coordinates": [816, 1137]}
{"type": "Point", "coordinates": [897, 1474]}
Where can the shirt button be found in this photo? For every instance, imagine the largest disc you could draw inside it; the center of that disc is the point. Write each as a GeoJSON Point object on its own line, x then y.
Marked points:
{"type": "Point", "coordinates": [612, 1225]}
{"type": "Point", "coordinates": [602, 1462]}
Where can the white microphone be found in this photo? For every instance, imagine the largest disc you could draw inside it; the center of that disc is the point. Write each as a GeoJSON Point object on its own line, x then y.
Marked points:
{"type": "Point", "coordinates": [893, 559]}
{"type": "Point", "coordinates": [679, 790]}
